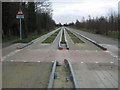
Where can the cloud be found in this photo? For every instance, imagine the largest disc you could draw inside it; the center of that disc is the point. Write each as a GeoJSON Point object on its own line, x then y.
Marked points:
{"type": "Point", "coordinates": [69, 10]}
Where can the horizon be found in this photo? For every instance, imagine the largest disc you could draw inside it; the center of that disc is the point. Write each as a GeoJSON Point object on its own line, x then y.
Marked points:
{"type": "Point", "coordinates": [71, 10]}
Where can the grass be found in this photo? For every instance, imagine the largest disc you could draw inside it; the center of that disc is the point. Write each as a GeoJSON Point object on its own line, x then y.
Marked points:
{"type": "Point", "coordinates": [63, 38]}
{"type": "Point", "coordinates": [31, 37]}
{"type": "Point", "coordinates": [11, 38]}
{"type": "Point", "coordinates": [61, 82]}
{"type": "Point", "coordinates": [74, 38]}
{"type": "Point", "coordinates": [51, 38]}
{"type": "Point", "coordinates": [88, 30]}
{"type": "Point", "coordinates": [113, 35]}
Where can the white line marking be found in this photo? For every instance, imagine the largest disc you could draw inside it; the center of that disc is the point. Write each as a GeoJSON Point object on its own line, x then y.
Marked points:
{"type": "Point", "coordinates": [82, 62]}
{"type": "Point", "coordinates": [111, 62]}
{"type": "Point", "coordinates": [10, 54]}
{"type": "Point", "coordinates": [11, 60]}
{"type": "Point", "coordinates": [96, 62]}
{"type": "Point", "coordinates": [112, 54]}
{"type": "Point", "coordinates": [52, 61]}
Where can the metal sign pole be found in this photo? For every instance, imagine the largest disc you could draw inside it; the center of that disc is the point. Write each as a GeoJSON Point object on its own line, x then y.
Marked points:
{"type": "Point", "coordinates": [20, 16]}
{"type": "Point", "coordinates": [20, 30]}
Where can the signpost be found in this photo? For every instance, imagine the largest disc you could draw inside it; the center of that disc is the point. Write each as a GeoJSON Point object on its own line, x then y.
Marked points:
{"type": "Point", "coordinates": [20, 16]}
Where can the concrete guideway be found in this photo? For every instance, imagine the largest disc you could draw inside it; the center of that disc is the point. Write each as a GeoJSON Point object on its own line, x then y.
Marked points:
{"type": "Point", "coordinates": [112, 47]}
{"type": "Point", "coordinates": [94, 68]}
{"type": "Point", "coordinates": [77, 46]}
{"type": "Point", "coordinates": [101, 75]}
{"type": "Point", "coordinates": [26, 75]}
{"type": "Point", "coordinates": [62, 76]}
{"type": "Point", "coordinates": [63, 42]}
{"type": "Point", "coordinates": [39, 45]}
{"type": "Point", "coordinates": [99, 39]}
{"type": "Point", "coordinates": [88, 40]}
{"type": "Point", "coordinates": [11, 50]}
{"type": "Point", "coordinates": [44, 37]}
{"type": "Point", "coordinates": [66, 40]}
{"type": "Point", "coordinates": [81, 46]}
{"type": "Point", "coordinates": [60, 39]}
{"type": "Point", "coordinates": [81, 63]}
{"type": "Point", "coordinates": [110, 44]}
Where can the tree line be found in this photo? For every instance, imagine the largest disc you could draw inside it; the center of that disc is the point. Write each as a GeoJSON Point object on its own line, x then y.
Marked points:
{"type": "Point", "coordinates": [37, 19]}
{"type": "Point", "coordinates": [105, 25]}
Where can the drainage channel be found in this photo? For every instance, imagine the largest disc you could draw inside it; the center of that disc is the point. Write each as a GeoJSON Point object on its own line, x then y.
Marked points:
{"type": "Point", "coordinates": [62, 76]}
{"type": "Point", "coordinates": [63, 43]}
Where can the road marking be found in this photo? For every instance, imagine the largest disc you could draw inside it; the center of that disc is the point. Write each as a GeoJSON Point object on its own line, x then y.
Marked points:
{"type": "Point", "coordinates": [38, 61]}
{"type": "Point", "coordinates": [11, 60]}
{"type": "Point", "coordinates": [82, 62]}
{"type": "Point", "coordinates": [17, 50]}
{"type": "Point", "coordinates": [52, 61]}
{"type": "Point", "coordinates": [96, 43]}
{"type": "Point", "coordinates": [111, 62]}
{"type": "Point", "coordinates": [96, 62]}
{"type": "Point", "coordinates": [112, 54]}
{"type": "Point", "coordinates": [10, 54]}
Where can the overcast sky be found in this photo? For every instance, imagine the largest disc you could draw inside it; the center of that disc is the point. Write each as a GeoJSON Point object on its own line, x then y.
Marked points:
{"type": "Point", "coordinates": [65, 11]}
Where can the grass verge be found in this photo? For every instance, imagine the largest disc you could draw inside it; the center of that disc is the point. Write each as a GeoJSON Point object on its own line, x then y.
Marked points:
{"type": "Point", "coordinates": [30, 38]}
{"type": "Point", "coordinates": [63, 38]}
{"type": "Point", "coordinates": [74, 38]}
{"type": "Point", "coordinates": [111, 34]}
{"type": "Point", "coordinates": [11, 38]}
{"type": "Point", "coordinates": [51, 38]}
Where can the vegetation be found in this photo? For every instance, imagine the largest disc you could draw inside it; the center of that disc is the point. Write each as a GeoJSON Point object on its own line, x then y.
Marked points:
{"type": "Point", "coordinates": [74, 38]}
{"type": "Point", "coordinates": [37, 21]}
{"type": "Point", "coordinates": [31, 37]}
{"type": "Point", "coordinates": [63, 38]}
{"type": "Point", "coordinates": [51, 38]}
{"type": "Point", "coordinates": [107, 26]}
{"type": "Point", "coordinates": [11, 38]}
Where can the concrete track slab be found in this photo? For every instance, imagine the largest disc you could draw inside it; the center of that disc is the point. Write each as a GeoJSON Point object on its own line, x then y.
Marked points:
{"type": "Point", "coordinates": [51, 46]}
{"type": "Point", "coordinates": [96, 75]}
{"type": "Point", "coordinates": [26, 75]}
{"type": "Point", "coordinates": [109, 43]}
{"type": "Point", "coordinates": [10, 48]}
{"type": "Point", "coordinates": [93, 67]}
{"type": "Point", "coordinates": [81, 46]}
{"type": "Point", "coordinates": [98, 38]}
{"type": "Point", "coordinates": [83, 55]}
